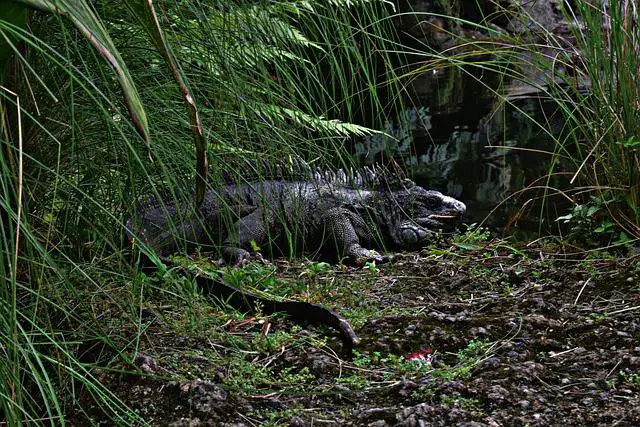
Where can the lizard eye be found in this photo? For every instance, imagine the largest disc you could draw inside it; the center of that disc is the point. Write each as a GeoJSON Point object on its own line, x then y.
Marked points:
{"type": "Point", "coordinates": [432, 202]}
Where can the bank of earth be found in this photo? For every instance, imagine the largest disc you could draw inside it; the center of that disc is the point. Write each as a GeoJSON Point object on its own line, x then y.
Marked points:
{"type": "Point", "coordinates": [488, 334]}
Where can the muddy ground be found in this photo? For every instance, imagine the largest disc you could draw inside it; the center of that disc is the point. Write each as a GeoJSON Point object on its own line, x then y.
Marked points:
{"type": "Point", "coordinates": [490, 335]}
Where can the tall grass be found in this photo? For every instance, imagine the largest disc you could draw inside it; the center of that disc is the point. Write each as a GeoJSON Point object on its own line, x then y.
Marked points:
{"type": "Point", "coordinates": [606, 119]}
{"type": "Point", "coordinates": [591, 75]}
{"type": "Point", "coordinates": [270, 79]}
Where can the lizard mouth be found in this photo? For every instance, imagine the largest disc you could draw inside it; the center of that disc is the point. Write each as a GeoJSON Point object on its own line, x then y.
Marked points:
{"type": "Point", "coordinates": [446, 222]}
{"type": "Point", "coordinates": [451, 216]}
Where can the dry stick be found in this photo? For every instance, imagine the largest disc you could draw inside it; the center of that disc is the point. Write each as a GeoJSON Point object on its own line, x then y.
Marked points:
{"type": "Point", "coordinates": [581, 289]}
{"type": "Point", "coordinates": [14, 266]}
{"type": "Point", "coordinates": [563, 352]}
{"type": "Point", "coordinates": [613, 369]}
{"type": "Point", "coordinates": [623, 310]}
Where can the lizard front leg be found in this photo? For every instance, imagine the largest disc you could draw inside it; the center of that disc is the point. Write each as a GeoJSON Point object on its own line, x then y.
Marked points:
{"type": "Point", "coordinates": [338, 223]}
{"type": "Point", "coordinates": [248, 231]}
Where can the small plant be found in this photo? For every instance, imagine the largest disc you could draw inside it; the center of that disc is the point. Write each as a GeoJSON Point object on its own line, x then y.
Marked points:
{"type": "Point", "coordinates": [592, 223]}
{"type": "Point", "coordinates": [473, 350]}
{"type": "Point", "coordinates": [234, 276]}
{"type": "Point", "coordinates": [630, 378]}
{"type": "Point", "coordinates": [362, 360]}
{"type": "Point", "coordinates": [598, 317]}
{"type": "Point", "coordinates": [355, 381]}
{"type": "Point", "coordinates": [374, 367]}
{"type": "Point", "coordinates": [252, 376]}
{"type": "Point", "coordinates": [316, 269]}
{"type": "Point", "coordinates": [468, 358]}
{"type": "Point", "coordinates": [273, 341]}
{"type": "Point", "coordinates": [472, 237]}
{"type": "Point", "coordinates": [372, 267]}
{"type": "Point", "coordinates": [252, 274]}
{"type": "Point", "coordinates": [507, 289]}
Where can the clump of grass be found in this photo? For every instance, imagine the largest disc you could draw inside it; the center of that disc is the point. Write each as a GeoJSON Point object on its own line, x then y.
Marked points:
{"type": "Point", "coordinates": [592, 75]}
{"type": "Point", "coordinates": [606, 119]}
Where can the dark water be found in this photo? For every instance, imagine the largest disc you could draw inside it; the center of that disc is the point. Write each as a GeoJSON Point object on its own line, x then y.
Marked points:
{"type": "Point", "coordinates": [462, 140]}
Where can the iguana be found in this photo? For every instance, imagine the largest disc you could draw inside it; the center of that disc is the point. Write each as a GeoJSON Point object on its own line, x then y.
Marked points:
{"type": "Point", "coordinates": [341, 213]}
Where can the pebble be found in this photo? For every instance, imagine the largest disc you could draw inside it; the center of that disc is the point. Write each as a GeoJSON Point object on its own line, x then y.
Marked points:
{"type": "Point", "coordinates": [296, 421]}
{"type": "Point", "coordinates": [479, 331]}
{"type": "Point", "coordinates": [524, 404]}
{"type": "Point", "coordinates": [491, 362]}
{"type": "Point", "coordinates": [342, 388]}
{"type": "Point", "coordinates": [145, 363]}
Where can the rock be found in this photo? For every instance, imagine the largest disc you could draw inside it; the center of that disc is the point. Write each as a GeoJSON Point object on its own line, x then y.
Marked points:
{"type": "Point", "coordinates": [341, 388]}
{"type": "Point", "coordinates": [490, 363]}
{"type": "Point", "coordinates": [203, 395]}
{"type": "Point", "coordinates": [524, 404]}
{"type": "Point", "coordinates": [407, 387]}
{"type": "Point", "coordinates": [479, 332]}
{"type": "Point", "coordinates": [320, 362]}
{"type": "Point", "coordinates": [374, 414]}
{"type": "Point", "coordinates": [146, 363]}
{"type": "Point", "coordinates": [498, 394]}
{"type": "Point", "coordinates": [297, 421]}
{"type": "Point", "coordinates": [538, 16]}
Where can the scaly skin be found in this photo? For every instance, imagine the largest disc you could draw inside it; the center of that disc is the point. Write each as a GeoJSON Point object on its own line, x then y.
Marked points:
{"type": "Point", "coordinates": [315, 215]}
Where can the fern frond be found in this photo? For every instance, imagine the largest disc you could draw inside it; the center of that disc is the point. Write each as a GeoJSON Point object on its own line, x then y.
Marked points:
{"type": "Point", "coordinates": [315, 123]}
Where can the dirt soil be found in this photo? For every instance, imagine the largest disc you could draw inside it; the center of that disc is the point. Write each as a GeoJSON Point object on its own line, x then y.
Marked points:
{"type": "Point", "coordinates": [494, 336]}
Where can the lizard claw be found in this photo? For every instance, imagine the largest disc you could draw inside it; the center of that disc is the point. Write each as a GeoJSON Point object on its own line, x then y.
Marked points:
{"type": "Point", "coordinates": [365, 255]}
{"type": "Point", "coordinates": [243, 258]}
{"type": "Point", "coordinates": [258, 257]}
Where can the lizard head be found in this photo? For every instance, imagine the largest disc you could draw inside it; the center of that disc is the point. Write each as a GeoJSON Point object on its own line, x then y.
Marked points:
{"type": "Point", "coordinates": [418, 213]}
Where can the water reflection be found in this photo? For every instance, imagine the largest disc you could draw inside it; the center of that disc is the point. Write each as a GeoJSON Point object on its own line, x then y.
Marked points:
{"type": "Point", "coordinates": [462, 147]}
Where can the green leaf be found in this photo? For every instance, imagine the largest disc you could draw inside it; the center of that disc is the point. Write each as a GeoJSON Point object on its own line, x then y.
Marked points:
{"type": "Point", "coordinates": [88, 23]}
{"type": "Point", "coordinates": [632, 142]}
{"type": "Point", "coordinates": [592, 211]}
{"type": "Point", "coordinates": [145, 13]}
{"type": "Point", "coordinates": [565, 218]}
{"type": "Point", "coordinates": [622, 239]}
{"type": "Point", "coordinates": [314, 122]}
{"type": "Point", "coordinates": [605, 226]}
{"type": "Point", "coordinates": [468, 246]}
